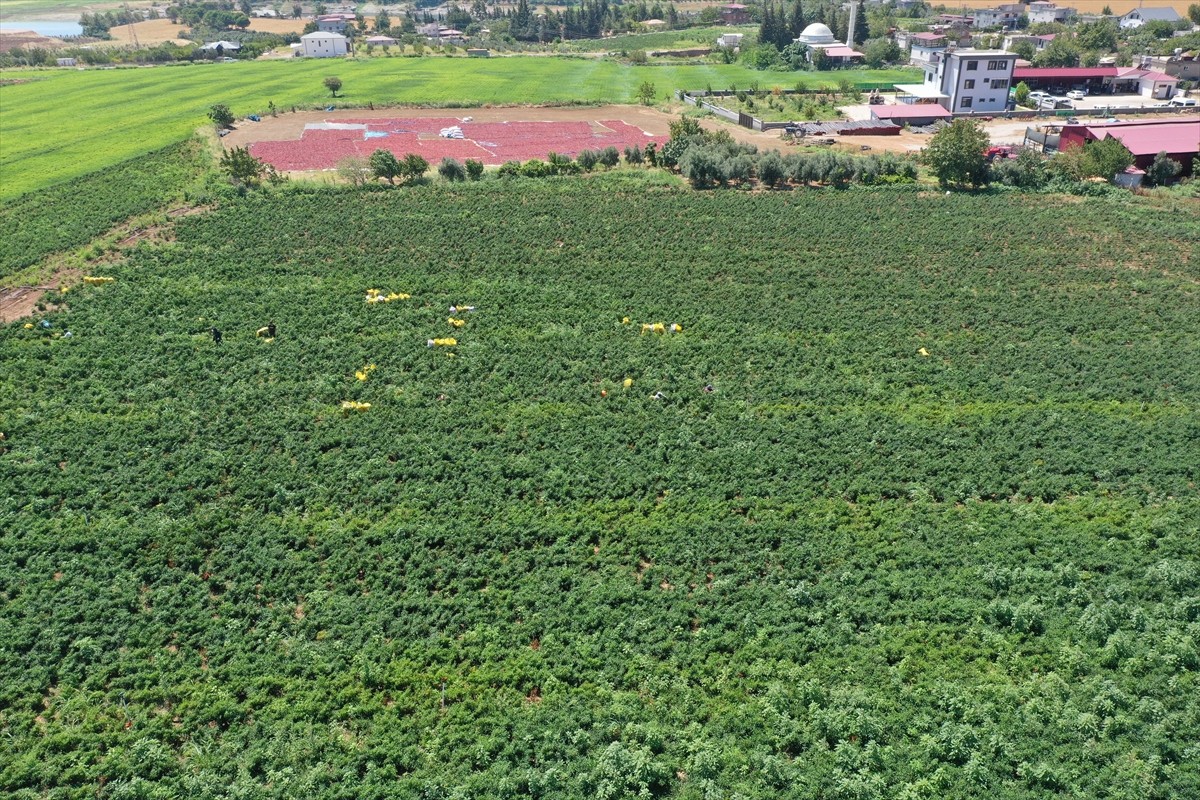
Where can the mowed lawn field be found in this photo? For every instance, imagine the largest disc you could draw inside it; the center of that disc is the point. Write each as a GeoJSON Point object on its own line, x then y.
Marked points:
{"type": "Point", "coordinates": [58, 125]}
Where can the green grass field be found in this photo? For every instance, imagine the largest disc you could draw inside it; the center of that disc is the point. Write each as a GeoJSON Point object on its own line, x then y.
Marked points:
{"type": "Point", "coordinates": [43, 9]}
{"type": "Point", "coordinates": [659, 40]}
{"type": "Point", "coordinates": [59, 125]}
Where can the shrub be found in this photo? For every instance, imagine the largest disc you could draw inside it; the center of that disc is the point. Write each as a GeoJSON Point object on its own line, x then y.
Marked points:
{"type": "Point", "coordinates": [450, 169]}
{"type": "Point", "coordinates": [770, 169]}
{"type": "Point", "coordinates": [474, 169]}
{"type": "Point", "coordinates": [588, 159]}
{"type": "Point", "coordinates": [536, 168]}
{"type": "Point", "coordinates": [610, 157]}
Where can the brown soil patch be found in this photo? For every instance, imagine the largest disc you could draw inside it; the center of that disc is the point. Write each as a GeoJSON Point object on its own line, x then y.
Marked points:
{"type": "Point", "coordinates": [151, 31]}
{"type": "Point", "coordinates": [17, 302]}
{"type": "Point", "coordinates": [157, 31]}
{"type": "Point", "coordinates": [10, 40]}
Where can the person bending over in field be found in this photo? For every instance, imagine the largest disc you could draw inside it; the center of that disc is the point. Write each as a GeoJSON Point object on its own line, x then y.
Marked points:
{"type": "Point", "coordinates": [267, 331]}
{"type": "Point", "coordinates": [216, 334]}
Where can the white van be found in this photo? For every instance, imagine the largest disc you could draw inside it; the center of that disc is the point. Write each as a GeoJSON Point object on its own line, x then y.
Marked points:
{"type": "Point", "coordinates": [1182, 102]}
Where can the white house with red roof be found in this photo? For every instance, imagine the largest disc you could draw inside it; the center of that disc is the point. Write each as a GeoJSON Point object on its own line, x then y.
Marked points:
{"type": "Point", "coordinates": [923, 46]}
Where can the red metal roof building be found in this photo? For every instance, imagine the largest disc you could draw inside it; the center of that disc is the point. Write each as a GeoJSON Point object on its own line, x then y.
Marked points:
{"type": "Point", "coordinates": [1144, 138]}
{"type": "Point", "coordinates": [1099, 80]}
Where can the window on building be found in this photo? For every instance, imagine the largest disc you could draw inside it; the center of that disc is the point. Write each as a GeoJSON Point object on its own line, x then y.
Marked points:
{"type": "Point", "coordinates": [999, 83]}
{"type": "Point", "coordinates": [969, 84]}
{"type": "Point", "coordinates": [966, 103]}
{"type": "Point", "coordinates": [972, 65]}
{"type": "Point", "coordinates": [997, 65]}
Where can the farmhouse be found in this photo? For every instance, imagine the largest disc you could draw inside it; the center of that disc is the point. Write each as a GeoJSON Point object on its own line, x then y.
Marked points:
{"type": "Point", "coordinates": [320, 44]}
{"type": "Point", "coordinates": [1144, 138]}
{"type": "Point", "coordinates": [1039, 43]}
{"type": "Point", "coordinates": [1181, 65]}
{"type": "Point", "coordinates": [1004, 16]}
{"type": "Point", "coordinates": [1140, 16]}
{"type": "Point", "coordinates": [735, 14]}
{"type": "Point", "coordinates": [334, 23]}
{"type": "Point", "coordinates": [385, 41]}
{"type": "Point", "coordinates": [923, 46]}
{"type": "Point", "coordinates": [1041, 12]}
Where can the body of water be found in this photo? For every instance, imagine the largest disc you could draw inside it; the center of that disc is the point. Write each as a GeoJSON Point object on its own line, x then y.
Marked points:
{"type": "Point", "coordinates": [46, 27]}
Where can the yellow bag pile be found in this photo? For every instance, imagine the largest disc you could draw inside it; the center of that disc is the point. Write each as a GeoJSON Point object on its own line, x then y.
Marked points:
{"type": "Point", "coordinates": [377, 296]}
{"type": "Point", "coordinates": [354, 405]}
{"type": "Point", "coordinates": [457, 323]}
{"type": "Point", "coordinates": [661, 328]}
{"type": "Point", "coordinates": [365, 372]}
{"type": "Point", "coordinates": [94, 279]}
{"type": "Point", "coordinates": [448, 341]}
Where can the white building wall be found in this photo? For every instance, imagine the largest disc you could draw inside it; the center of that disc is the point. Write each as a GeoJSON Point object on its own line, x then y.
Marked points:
{"type": "Point", "coordinates": [976, 80]}
{"type": "Point", "coordinates": [327, 46]}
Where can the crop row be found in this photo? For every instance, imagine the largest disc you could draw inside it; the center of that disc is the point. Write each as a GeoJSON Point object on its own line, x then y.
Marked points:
{"type": "Point", "coordinates": [892, 515]}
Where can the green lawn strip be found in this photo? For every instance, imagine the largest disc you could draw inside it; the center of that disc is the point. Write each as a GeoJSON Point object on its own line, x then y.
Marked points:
{"type": "Point", "coordinates": [66, 124]}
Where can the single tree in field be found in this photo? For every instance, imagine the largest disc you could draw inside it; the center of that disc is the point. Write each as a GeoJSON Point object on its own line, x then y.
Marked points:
{"type": "Point", "coordinates": [221, 116]}
{"type": "Point", "coordinates": [645, 93]}
{"type": "Point", "coordinates": [1194, 13]}
{"type": "Point", "coordinates": [334, 85]}
{"type": "Point", "coordinates": [297, 10]}
{"type": "Point", "coordinates": [244, 169]}
{"type": "Point", "coordinates": [355, 170]}
{"type": "Point", "coordinates": [384, 165]}
{"type": "Point", "coordinates": [451, 170]}
{"type": "Point", "coordinates": [414, 168]}
{"type": "Point", "coordinates": [382, 21]}
{"type": "Point", "coordinates": [957, 154]}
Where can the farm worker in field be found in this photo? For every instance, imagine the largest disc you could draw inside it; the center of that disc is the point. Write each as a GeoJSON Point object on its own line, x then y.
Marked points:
{"type": "Point", "coordinates": [216, 334]}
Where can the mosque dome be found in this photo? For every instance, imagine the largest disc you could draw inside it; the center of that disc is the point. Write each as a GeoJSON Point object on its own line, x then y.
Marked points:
{"type": "Point", "coordinates": [817, 34]}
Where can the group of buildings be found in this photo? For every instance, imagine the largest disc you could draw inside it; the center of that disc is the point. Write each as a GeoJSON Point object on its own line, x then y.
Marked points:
{"type": "Point", "coordinates": [1008, 16]}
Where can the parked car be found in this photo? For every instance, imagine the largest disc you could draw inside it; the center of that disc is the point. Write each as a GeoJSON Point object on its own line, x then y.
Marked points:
{"type": "Point", "coordinates": [1054, 103]}
{"type": "Point", "coordinates": [1076, 94]}
{"type": "Point", "coordinates": [1036, 98]}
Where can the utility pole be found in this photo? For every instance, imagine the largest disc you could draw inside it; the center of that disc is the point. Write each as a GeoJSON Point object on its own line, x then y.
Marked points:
{"type": "Point", "coordinates": [132, 29]}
